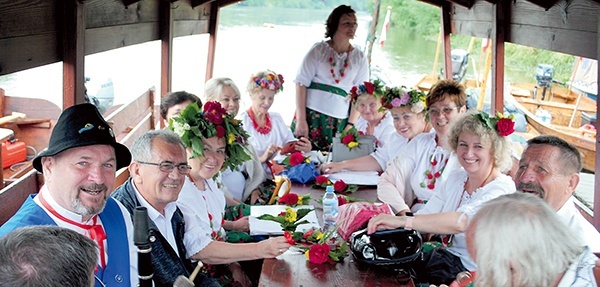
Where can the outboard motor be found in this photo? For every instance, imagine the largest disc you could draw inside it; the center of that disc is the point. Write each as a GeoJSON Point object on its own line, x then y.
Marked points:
{"type": "Point", "coordinates": [460, 61]}
{"type": "Point", "coordinates": [543, 76]}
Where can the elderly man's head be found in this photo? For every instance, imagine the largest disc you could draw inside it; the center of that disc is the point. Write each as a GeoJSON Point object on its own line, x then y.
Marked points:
{"type": "Point", "coordinates": [80, 162]}
{"type": "Point", "coordinates": [159, 167]}
{"type": "Point", "coordinates": [549, 168]}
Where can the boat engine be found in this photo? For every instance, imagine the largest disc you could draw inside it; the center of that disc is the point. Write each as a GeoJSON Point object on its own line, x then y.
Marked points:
{"type": "Point", "coordinates": [460, 60]}
{"type": "Point", "coordinates": [543, 76]}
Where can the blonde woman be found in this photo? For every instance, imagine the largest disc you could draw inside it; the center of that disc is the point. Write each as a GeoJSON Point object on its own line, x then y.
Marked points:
{"type": "Point", "coordinates": [407, 109]}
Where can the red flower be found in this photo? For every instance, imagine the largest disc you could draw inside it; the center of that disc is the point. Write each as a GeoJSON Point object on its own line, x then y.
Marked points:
{"type": "Point", "coordinates": [280, 76]}
{"type": "Point", "coordinates": [308, 233]}
{"type": "Point", "coordinates": [213, 112]}
{"type": "Point", "coordinates": [505, 127]}
{"type": "Point", "coordinates": [319, 253]}
{"type": "Point", "coordinates": [289, 199]}
{"type": "Point", "coordinates": [369, 87]}
{"type": "Point", "coordinates": [288, 237]}
{"type": "Point", "coordinates": [339, 185]}
{"type": "Point", "coordinates": [296, 159]}
{"type": "Point", "coordinates": [281, 213]}
{"type": "Point", "coordinates": [321, 179]}
{"type": "Point", "coordinates": [341, 200]}
{"type": "Point", "coordinates": [348, 139]}
{"type": "Point", "coordinates": [354, 90]}
{"type": "Point", "coordinates": [220, 131]}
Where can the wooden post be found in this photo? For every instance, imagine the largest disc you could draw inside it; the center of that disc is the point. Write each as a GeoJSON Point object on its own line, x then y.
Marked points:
{"type": "Point", "coordinates": [373, 30]}
{"type": "Point", "coordinates": [446, 27]}
{"type": "Point", "coordinates": [596, 219]}
{"type": "Point", "coordinates": [166, 46]}
{"type": "Point", "coordinates": [72, 39]}
{"type": "Point", "coordinates": [213, 21]}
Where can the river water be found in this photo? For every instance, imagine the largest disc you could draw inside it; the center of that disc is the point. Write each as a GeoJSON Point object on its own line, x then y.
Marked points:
{"type": "Point", "coordinates": [250, 39]}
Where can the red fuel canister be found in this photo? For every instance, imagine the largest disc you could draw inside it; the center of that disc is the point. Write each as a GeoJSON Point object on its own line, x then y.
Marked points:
{"type": "Point", "coordinates": [13, 152]}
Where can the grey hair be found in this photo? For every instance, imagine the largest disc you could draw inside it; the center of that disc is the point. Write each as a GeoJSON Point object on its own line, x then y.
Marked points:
{"type": "Point", "coordinates": [521, 242]}
{"type": "Point", "coordinates": [141, 149]}
{"type": "Point", "coordinates": [570, 155]}
{"type": "Point", "coordinates": [47, 256]}
{"type": "Point", "coordinates": [501, 147]}
{"type": "Point", "coordinates": [214, 87]}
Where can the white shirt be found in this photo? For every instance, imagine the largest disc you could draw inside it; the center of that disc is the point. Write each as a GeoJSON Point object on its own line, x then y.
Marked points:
{"type": "Point", "coordinates": [455, 199]}
{"type": "Point", "coordinates": [580, 272]}
{"type": "Point", "coordinates": [207, 206]}
{"type": "Point", "coordinates": [235, 181]}
{"type": "Point", "coordinates": [382, 132]}
{"type": "Point", "coordinates": [392, 148]}
{"type": "Point", "coordinates": [133, 264]}
{"type": "Point", "coordinates": [569, 214]}
{"type": "Point", "coordinates": [193, 235]}
{"type": "Point", "coordinates": [280, 134]}
{"type": "Point", "coordinates": [316, 68]}
{"type": "Point", "coordinates": [404, 178]}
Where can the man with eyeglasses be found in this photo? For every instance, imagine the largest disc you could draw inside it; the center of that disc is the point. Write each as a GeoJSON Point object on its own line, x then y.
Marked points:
{"type": "Point", "coordinates": [79, 169]}
{"type": "Point", "coordinates": [157, 173]}
{"type": "Point", "coordinates": [158, 170]}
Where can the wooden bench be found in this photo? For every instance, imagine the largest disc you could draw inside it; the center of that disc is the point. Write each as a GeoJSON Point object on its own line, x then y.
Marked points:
{"type": "Point", "coordinates": [128, 122]}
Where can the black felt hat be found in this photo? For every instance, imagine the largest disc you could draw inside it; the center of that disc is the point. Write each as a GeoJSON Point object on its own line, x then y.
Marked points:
{"type": "Point", "coordinates": [82, 125]}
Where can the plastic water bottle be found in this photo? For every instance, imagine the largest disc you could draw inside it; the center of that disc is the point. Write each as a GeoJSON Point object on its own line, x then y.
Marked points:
{"type": "Point", "coordinates": [330, 208]}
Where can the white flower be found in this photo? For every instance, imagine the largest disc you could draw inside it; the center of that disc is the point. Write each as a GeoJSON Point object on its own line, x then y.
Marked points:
{"type": "Point", "coordinates": [417, 107]}
{"type": "Point", "coordinates": [180, 128]}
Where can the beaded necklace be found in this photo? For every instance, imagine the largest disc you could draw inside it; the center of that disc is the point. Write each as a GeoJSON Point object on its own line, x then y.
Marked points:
{"type": "Point", "coordinates": [342, 68]}
{"type": "Point", "coordinates": [438, 164]}
{"type": "Point", "coordinates": [264, 129]}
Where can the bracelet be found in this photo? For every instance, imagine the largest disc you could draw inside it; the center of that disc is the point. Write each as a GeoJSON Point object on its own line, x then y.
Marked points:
{"type": "Point", "coordinates": [408, 224]}
{"type": "Point", "coordinates": [349, 124]}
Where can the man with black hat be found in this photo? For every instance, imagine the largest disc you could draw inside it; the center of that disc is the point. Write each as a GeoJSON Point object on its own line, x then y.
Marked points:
{"type": "Point", "coordinates": [79, 169]}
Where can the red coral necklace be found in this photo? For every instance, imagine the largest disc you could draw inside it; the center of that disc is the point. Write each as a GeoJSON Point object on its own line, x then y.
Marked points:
{"type": "Point", "coordinates": [264, 129]}
{"type": "Point", "coordinates": [342, 68]}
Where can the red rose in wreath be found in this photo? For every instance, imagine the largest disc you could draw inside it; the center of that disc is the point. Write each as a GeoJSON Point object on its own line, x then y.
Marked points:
{"type": "Point", "coordinates": [319, 253]}
{"type": "Point", "coordinates": [296, 159]}
{"type": "Point", "coordinates": [289, 199]}
{"type": "Point", "coordinates": [369, 87]}
{"type": "Point", "coordinates": [505, 126]}
{"type": "Point", "coordinates": [213, 112]}
{"type": "Point", "coordinates": [339, 186]}
{"type": "Point", "coordinates": [220, 131]}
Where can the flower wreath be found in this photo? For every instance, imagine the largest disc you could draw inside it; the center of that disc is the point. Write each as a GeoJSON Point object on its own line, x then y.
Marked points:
{"type": "Point", "coordinates": [193, 125]}
{"type": "Point", "coordinates": [375, 88]}
{"type": "Point", "coordinates": [504, 125]}
{"type": "Point", "coordinates": [272, 81]}
{"type": "Point", "coordinates": [400, 97]}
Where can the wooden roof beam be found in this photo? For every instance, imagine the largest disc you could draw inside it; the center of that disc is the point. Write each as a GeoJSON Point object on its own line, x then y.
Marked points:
{"type": "Point", "coordinates": [129, 2]}
{"type": "Point", "coordinates": [546, 4]}
{"type": "Point", "coordinates": [465, 3]}
{"type": "Point", "coordinates": [438, 3]}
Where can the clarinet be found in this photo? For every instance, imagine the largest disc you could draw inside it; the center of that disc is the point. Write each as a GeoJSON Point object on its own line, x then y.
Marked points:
{"type": "Point", "coordinates": [142, 241]}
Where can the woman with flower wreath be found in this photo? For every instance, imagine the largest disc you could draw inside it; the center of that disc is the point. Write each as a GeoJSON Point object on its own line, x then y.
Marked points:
{"type": "Point", "coordinates": [407, 109]}
{"type": "Point", "coordinates": [249, 183]}
{"type": "Point", "coordinates": [413, 176]}
{"type": "Point", "coordinates": [480, 144]}
{"type": "Point", "coordinates": [372, 120]}
{"type": "Point", "coordinates": [328, 71]}
{"type": "Point", "coordinates": [268, 132]}
{"type": "Point", "coordinates": [215, 140]}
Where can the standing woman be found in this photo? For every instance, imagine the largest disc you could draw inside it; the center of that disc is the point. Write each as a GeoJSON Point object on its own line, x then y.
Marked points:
{"type": "Point", "coordinates": [407, 108]}
{"type": "Point", "coordinates": [328, 71]}
{"type": "Point", "coordinates": [416, 174]}
{"type": "Point", "coordinates": [483, 151]}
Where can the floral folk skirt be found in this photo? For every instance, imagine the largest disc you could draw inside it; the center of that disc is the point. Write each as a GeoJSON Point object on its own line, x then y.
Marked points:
{"type": "Point", "coordinates": [321, 128]}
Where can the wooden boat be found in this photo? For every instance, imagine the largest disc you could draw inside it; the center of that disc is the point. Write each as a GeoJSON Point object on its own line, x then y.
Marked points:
{"type": "Point", "coordinates": [560, 103]}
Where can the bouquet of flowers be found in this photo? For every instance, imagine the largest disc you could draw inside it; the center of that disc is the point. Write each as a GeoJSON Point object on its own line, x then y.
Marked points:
{"type": "Point", "coordinates": [350, 138]}
{"type": "Point", "coordinates": [293, 199]}
{"type": "Point", "coordinates": [318, 246]}
{"type": "Point", "coordinates": [288, 219]}
{"type": "Point", "coordinates": [339, 186]}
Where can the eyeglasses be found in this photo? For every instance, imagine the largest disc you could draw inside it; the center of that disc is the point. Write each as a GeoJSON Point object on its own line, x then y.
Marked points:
{"type": "Point", "coordinates": [168, 167]}
{"type": "Point", "coordinates": [445, 110]}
